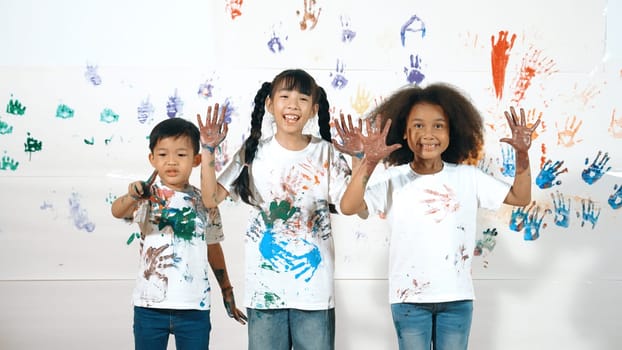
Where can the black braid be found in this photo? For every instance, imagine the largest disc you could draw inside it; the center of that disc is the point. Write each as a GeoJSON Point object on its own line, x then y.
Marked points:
{"type": "Point", "coordinates": [241, 184]}
{"type": "Point", "coordinates": [323, 115]}
{"type": "Point", "coordinates": [323, 120]}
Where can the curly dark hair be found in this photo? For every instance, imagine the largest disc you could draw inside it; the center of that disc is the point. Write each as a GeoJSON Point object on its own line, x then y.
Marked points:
{"type": "Point", "coordinates": [291, 79]}
{"type": "Point", "coordinates": [466, 126]}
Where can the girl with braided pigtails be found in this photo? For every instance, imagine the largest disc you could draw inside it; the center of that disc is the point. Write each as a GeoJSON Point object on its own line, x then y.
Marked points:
{"type": "Point", "coordinates": [292, 181]}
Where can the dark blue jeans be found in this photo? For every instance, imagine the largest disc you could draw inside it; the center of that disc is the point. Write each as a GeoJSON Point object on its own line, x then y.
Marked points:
{"type": "Point", "coordinates": [438, 326]}
{"type": "Point", "coordinates": [153, 326]}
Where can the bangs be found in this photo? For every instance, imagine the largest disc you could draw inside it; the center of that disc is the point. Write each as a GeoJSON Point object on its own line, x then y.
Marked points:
{"type": "Point", "coordinates": [297, 80]}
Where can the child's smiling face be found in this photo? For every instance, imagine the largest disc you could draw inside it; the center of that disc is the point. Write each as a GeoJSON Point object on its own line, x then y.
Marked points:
{"type": "Point", "coordinates": [427, 131]}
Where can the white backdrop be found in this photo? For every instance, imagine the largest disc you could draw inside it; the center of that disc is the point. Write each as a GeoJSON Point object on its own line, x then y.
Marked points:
{"type": "Point", "coordinates": [83, 82]}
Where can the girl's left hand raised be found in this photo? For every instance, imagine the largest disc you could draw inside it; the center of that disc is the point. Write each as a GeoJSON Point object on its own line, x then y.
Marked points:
{"type": "Point", "coordinates": [521, 133]}
{"type": "Point", "coordinates": [214, 131]}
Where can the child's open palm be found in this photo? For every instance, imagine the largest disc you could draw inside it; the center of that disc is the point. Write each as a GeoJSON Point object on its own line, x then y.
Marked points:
{"type": "Point", "coordinates": [214, 131]}
{"type": "Point", "coordinates": [351, 137]}
{"type": "Point", "coordinates": [374, 144]}
{"type": "Point", "coordinates": [521, 133]}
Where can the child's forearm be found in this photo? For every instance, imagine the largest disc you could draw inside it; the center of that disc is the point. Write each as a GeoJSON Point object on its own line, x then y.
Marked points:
{"type": "Point", "coordinates": [209, 185]}
{"type": "Point", "coordinates": [216, 260]}
{"type": "Point", "coordinates": [353, 200]}
{"type": "Point", "coordinates": [520, 193]}
{"type": "Point", "coordinates": [124, 206]}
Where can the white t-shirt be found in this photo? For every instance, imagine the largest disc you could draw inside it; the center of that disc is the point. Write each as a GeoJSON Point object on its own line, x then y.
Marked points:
{"type": "Point", "coordinates": [175, 231]}
{"type": "Point", "coordinates": [289, 243]}
{"type": "Point", "coordinates": [433, 224]}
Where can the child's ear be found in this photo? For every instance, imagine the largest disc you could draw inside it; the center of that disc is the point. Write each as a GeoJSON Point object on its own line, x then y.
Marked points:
{"type": "Point", "coordinates": [197, 160]}
{"type": "Point", "coordinates": [268, 105]}
{"type": "Point", "coordinates": [316, 108]}
{"type": "Point", "coordinates": [151, 159]}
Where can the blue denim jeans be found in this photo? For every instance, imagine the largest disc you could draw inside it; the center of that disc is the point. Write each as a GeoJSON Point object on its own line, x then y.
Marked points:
{"type": "Point", "coordinates": [153, 326]}
{"type": "Point", "coordinates": [438, 326]}
{"type": "Point", "coordinates": [280, 329]}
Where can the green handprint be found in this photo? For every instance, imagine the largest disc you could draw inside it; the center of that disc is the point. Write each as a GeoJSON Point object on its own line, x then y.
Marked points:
{"type": "Point", "coordinates": [282, 210]}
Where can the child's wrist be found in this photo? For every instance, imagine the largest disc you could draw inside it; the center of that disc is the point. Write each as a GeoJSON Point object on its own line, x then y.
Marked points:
{"type": "Point", "coordinates": [210, 149]}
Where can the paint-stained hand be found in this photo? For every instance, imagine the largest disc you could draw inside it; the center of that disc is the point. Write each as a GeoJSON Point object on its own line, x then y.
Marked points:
{"type": "Point", "coordinates": [142, 189]}
{"type": "Point", "coordinates": [374, 144]}
{"type": "Point", "coordinates": [351, 137]}
{"type": "Point", "coordinates": [521, 133]}
{"type": "Point", "coordinates": [229, 301]}
{"type": "Point", "coordinates": [214, 130]}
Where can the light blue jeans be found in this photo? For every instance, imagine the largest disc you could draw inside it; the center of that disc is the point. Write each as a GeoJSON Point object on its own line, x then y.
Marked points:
{"type": "Point", "coordinates": [153, 326]}
{"type": "Point", "coordinates": [438, 326]}
{"type": "Point", "coordinates": [280, 329]}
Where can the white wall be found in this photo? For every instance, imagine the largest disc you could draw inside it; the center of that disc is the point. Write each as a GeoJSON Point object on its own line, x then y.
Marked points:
{"type": "Point", "coordinates": [66, 267]}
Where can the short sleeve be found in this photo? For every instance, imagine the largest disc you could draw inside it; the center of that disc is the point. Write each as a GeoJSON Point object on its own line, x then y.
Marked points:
{"type": "Point", "coordinates": [231, 172]}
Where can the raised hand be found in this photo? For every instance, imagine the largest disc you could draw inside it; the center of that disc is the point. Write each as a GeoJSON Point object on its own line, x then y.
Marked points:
{"type": "Point", "coordinates": [521, 133]}
{"type": "Point", "coordinates": [214, 131]}
{"type": "Point", "coordinates": [374, 144]}
{"type": "Point", "coordinates": [351, 137]}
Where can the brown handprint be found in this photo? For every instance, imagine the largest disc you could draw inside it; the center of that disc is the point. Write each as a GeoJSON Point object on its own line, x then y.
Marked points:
{"type": "Point", "coordinates": [309, 15]}
{"type": "Point", "coordinates": [566, 136]}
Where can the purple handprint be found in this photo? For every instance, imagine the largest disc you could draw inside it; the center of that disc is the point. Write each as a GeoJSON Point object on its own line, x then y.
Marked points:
{"type": "Point", "coordinates": [414, 74]}
{"type": "Point", "coordinates": [339, 80]}
{"type": "Point", "coordinates": [549, 173]}
{"type": "Point", "coordinates": [347, 34]}
{"type": "Point", "coordinates": [596, 170]}
{"type": "Point", "coordinates": [413, 24]}
{"type": "Point", "coordinates": [275, 44]}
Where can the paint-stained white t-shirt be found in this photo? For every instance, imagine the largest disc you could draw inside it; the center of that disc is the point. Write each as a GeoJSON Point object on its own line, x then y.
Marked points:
{"type": "Point", "coordinates": [433, 227]}
{"type": "Point", "coordinates": [289, 244]}
{"type": "Point", "coordinates": [175, 231]}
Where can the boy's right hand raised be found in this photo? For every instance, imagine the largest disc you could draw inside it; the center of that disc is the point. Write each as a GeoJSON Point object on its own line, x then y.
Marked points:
{"type": "Point", "coordinates": [214, 131]}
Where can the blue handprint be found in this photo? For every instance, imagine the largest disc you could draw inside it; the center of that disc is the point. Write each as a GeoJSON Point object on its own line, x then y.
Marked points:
{"type": "Point", "coordinates": [533, 225]}
{"type": "Point", "coordinates": [596, 170]}
{"type": "Point", "coordinates": [615, 199]}
{"type": "Point", "coordinates": [589, 212]}
{"type": "Point", "coordinates": [509, 161]}
{"type": "Point", "coordinates": [562, 211]}
{"type": "Point", "coordinates": [414, 74]}
{"type": "Point", "coordinates": [549, 173]}
{"type": "Point", "coordinates": [517, 220]}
